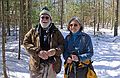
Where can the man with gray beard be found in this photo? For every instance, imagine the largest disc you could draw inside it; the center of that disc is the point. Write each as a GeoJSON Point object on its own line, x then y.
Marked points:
{"type": "Point", "coordinates": [44, 44]}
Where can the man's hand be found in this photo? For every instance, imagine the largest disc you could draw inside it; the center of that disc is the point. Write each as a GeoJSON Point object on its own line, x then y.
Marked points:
{"type": "Point", "coordinates": [51, 52]}
{"type": "Point", "coordinates": [43, 54]}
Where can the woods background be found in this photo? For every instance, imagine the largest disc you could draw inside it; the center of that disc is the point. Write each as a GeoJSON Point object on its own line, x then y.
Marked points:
{"type": "Point", "coordinates": [19, 16]}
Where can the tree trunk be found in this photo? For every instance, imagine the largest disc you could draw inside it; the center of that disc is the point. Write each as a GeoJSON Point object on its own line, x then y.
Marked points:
{"type": "Point", "coordinates": [29, 14]}
{"type": "Point", "coordinates": [59, 10]}
{"type": "Point", "coordinates": [103, 14]}
{"type": "Point", "coordinates": [20, 27]}
{"type": "Point", "coordinates": [3, 40]}
{"type": "Point", "coordinates": [82, 11]}
{"type": "Point", "coordinates": [8, 22]}
{"type": "Point", "coordinates": [0, 14]}
{"type": "Point", "coordinates": [90, 12]}
{"type": "Point", "coordinates": [94, 16]}
{"type": "Point", "coordinates": [98, 22]}
{"type": "Point", "coordinates": [116, 18]}
{"type": "Point", "coordinates": [113, 14]}
{"type": "Point", "coordinates": [16, 19]}
{"type": "Point", "coordinates": [61, 18]}
{"type": "Point", "coordinates": [24, 27]}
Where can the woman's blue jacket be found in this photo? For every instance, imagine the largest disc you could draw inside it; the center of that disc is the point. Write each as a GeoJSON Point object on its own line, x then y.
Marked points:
{"type": "Point", "coordinates": [79, 43]}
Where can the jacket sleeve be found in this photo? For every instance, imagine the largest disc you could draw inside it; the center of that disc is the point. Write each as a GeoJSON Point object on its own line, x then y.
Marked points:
{"type": "Point", "coordinates": [28, 44]}
{"type": "Point", "coordinates": [88, 51]}
{"type": "Point", "coordinates": [60, 47]}
{"type": "Point", "coordinates": [66, 54]}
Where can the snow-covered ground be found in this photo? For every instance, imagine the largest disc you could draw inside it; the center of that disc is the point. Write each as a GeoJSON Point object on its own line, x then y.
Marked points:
{"type": "Point", "coordinates": [106, 55]}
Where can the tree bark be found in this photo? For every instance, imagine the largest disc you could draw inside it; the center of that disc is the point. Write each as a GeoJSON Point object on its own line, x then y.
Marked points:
{"type": "Point", "coordinates": [29, 14]}
{"type": "Point", "coordinates": [113, 14]}
{"type": "Point", "coordinates": [3, 40]}
{"type": "Point", "coordinates": [103, 14]}
{"type": "Point", "coordinates": [61, 18]}
{"type": "Point", "coordinates": [20, 27]}
{"type": "Point", "coordinates": [94, 16]}
{"type": "Point", "coordinates": [98, 21]}
{"type": "Point", "coordinates": [82, 11]}
{"type": "Point", "coordinates": [116, 18]}
{"type": "Point", "coordinates": [8, 22]}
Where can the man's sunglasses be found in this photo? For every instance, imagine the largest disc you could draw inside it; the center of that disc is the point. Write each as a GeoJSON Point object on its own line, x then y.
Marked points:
{"type": "Point", "coordinates": [45, 17]}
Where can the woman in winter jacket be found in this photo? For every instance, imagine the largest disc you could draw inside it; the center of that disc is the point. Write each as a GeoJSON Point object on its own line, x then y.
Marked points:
{"type": "Point", "coordinates": [45, 44]}
{"type": "Point", "coordinates": [78, 50]}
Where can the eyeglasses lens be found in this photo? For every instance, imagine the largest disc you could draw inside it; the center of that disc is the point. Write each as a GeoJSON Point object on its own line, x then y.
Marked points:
{"type": "Point", "coordinates": [45, 17]}
{"type": "Point", "coordinates": [75, 25]}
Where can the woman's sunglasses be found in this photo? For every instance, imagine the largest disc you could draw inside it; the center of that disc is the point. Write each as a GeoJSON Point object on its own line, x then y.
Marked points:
{"type": "Point", "coordinates": [75, 25]}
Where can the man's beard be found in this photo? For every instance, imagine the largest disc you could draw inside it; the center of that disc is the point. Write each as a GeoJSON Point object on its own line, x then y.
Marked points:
{"type": "Point", "coordinates": [45, 25]}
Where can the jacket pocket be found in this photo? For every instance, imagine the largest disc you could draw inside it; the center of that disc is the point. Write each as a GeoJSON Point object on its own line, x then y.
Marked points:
{"type": "Point", "coordinates": [34, 65]}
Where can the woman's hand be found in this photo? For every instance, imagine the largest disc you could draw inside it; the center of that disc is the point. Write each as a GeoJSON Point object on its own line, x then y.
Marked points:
{"type": "Point", "coordinates": [69, 60]}
{"type": "Point", "coordinates": [75, 58]}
